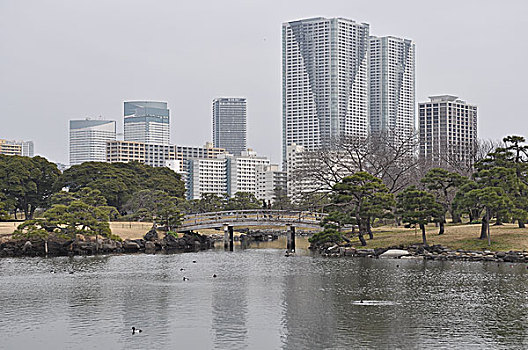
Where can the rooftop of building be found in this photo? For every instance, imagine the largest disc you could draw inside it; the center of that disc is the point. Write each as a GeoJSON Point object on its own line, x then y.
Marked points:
{"type": "Point", "coordinates": [445, 98]}
{"type": "Point", "coordinates": [316, 19]}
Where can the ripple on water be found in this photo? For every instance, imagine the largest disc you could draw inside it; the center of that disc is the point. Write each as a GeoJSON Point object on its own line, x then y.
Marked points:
{"type": "Point", "coordinates": [260, 299]}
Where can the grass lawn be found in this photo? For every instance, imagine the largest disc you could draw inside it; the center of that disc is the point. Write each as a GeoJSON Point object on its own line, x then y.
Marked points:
{"type": "Point", "coordinates": [503, 238]}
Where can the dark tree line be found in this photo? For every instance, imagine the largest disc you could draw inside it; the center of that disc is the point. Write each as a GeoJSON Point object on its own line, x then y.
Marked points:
{"type": "Point", "coordinates": [85, 197]}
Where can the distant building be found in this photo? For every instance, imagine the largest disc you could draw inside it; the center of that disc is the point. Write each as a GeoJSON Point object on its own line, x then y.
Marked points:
{"type": "Point", "coordinates": [147, 122]}
{"type": "Point", "coordinates": [448, 130]}
{"type": "Point", "coordinates": [230, 124]}
{"type": "Point", "coordinates": [242, 172]}
{"type": "Point", "coordinates": [206, 176]}
{"type": "Point", "coordinates": [62, 167]}
{"type": "Point", "coordinates": [270, 180]}
{"type": "Point", "coordinates": [184, 153]}
{"type": "Point", "coordinates": [228, 174]}
{"type": "Point", "coordinates": [392, 87]}
{"type": "Point", "coordinates": [16, 148]}
{"type": "Point", "coordinates": [88, 140]}
{"type": "Point", "coordinates": [155, 155]}
{"type": "Point", "coordinates": [297, 183]}
{"type": "Point", "coordinates": [324, 81]}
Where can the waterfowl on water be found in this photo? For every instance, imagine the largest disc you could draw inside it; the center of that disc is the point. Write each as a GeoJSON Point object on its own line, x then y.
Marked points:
{"type": "Point", "coordinates": [214, 276]}
{"type": "Point", "coordinates": [136, 330]}
{"type": "Point", "coordinates": [182, 269]}
{"type": "Point", "coordinates": [185, 278]}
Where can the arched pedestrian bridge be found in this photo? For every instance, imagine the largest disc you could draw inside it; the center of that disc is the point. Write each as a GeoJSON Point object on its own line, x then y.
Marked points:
{"type": "Point", "coordinates": [228, 220]}
{"type": "Point", "coordinates": [244, 218]}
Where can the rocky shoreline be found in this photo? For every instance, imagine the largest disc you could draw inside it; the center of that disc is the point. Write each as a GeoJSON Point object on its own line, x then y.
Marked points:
{"type": "Point", "coordinates": [150, 244]}
{"type": "Point", "coordinates": [418, 251]}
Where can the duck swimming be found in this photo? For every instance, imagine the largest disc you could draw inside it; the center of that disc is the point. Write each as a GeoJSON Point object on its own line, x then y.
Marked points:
{"type": "Point", "coordinates": [136, 330]}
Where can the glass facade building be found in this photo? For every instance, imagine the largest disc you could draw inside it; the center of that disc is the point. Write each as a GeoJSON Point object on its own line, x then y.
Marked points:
{"type": "Point", "coordinates": [88, 140]}
{"type": "Point", "coordinates": [147, 122]}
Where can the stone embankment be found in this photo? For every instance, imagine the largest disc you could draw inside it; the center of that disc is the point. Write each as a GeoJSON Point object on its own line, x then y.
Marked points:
{"type": "Point", "coordinates": [434, 252]}
{"type": "Point", "coordinates": [150, 244]}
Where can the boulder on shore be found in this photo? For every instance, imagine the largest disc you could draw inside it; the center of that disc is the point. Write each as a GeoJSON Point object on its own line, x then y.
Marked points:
{"type": "Point", "coordinates": [394, 254]}
{"type": "Point", "coordinates": [151, 235]}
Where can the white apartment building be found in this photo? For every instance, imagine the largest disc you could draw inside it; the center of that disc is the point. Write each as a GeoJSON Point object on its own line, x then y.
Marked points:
{"type": "Point", "coordinates": [88, 140]}
{"type": "Point", "coordinates": [206, 176]}
{"type": "Point", "coordinates": [269, 180]}
{"type": "Point", "coordinates": [325, 86]}
{"type": "Point", "coordinates": [297, 183]}
{"type": "Point", "coordinates": [228, 174]}
{"type": "Point", "coordinates": [242, 172]}
{"type": "Point", "coordinates": [448, 130]}
{"type": "Point", "coordinates": [392, 87]}
{"type": "Point", "coordinates": [147, 122]}
{"type": "Point", "coordinates": [16, 148]}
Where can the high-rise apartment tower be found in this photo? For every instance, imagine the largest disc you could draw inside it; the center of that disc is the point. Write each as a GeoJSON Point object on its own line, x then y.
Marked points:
{"type": "Point", "coordinates": [324, 81]}
{"type": "Point", "coordinates": [448, 130]}
{"type": "Point", "coordinates": [392, 87]}
{"type": "Point", "coordinates": [147, 122]}
{"type": "Point", "coordinates": [230, 124]}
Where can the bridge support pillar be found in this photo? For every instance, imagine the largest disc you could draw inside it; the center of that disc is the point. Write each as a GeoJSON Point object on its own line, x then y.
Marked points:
{"type": "Point", "coordinates": [228, 238]}
{"type": "Point", "coordinates": [290, 238]}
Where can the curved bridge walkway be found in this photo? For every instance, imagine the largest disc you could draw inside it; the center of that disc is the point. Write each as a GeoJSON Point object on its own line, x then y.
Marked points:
{"type": "Point", "coordinates": [257, 217]}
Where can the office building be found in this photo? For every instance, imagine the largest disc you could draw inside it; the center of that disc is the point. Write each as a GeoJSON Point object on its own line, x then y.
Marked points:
{"type": "Point", "coordinates": [325, 86]}
{"type": "Point", "coordinates": [230, 124]}
{"type": "Point", "coordinates": [88, 140]}
{"type": "Point", "coordinates": [392, 87]}
{"type": "Point", "coordinates": [447, 130]}
{"type": "Point", "coordinates": [16, 148]}
{"type": "Point", "coordinates": [155, 155]}
{"type": "Point", "coordinates": [147, 122]}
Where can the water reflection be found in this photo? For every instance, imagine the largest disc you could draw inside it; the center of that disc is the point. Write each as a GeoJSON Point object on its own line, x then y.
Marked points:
{"type": "Point", "coordinates": [229, 307]}
{"type": "Point", "coordinates": [260, 300]}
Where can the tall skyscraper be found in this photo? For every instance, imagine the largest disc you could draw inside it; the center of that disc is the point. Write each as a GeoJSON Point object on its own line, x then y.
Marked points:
{"type": "Point", "coordinates": [88, 140]}
{"type": "Point", "coordinates": [392, 88]}
{"type": "Point", "coordinates": [147, 121]}
{"type": "Point", "coordinates": [229, 124]}
{"type": "Point", "coordinates": [448, 130]}
{"type": "Point", "coordinates": [324, 81]}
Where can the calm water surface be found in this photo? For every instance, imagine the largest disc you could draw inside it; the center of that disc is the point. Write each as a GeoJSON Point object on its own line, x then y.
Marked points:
{"type": "Point", "coordinates": [260, 300]}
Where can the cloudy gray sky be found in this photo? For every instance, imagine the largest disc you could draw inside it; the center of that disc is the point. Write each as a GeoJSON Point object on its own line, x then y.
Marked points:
{"type": "Point", "coordinates": [62, 60]}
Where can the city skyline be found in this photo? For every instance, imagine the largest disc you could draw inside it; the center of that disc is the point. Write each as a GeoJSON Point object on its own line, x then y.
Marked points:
{"type": "Point", "coordinates": [85, 71]}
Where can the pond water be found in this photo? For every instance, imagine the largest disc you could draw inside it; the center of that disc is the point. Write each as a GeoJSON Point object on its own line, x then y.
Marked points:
{"type": "Point", "coordinates": [260, 299]}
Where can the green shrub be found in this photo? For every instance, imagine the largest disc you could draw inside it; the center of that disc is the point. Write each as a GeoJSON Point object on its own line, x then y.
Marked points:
{"type": "Point", "coordinates": [173, 234]}
{"type": "Point", "coordinates": [328, 235]}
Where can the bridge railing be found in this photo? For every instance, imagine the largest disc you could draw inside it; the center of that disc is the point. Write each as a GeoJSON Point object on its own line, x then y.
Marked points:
{"type": "Point", "coordinates": [286, 216]}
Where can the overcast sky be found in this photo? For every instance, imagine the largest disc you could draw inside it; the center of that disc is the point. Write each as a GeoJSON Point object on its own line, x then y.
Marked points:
{"type": "Point", "coordinates": [62, 60]}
